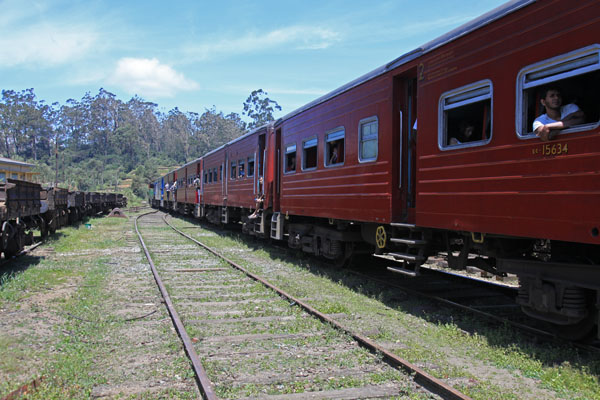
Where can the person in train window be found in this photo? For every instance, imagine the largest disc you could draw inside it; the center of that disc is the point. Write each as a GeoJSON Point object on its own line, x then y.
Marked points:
{"type": "Point", "coordinates": [466, 130]}
{"type": "Point", "coordinates": [291, 163]}
{"type": "Point", "coordinates": [334, 154]}
{"type": "Point", "coordinates": [557, 116]}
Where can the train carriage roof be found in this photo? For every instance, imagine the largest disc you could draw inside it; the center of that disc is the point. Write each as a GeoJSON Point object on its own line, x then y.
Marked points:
{"type": "Point", "coordinates": [479, 22]}
{"type": "Point", "coordinates": [245, 135]}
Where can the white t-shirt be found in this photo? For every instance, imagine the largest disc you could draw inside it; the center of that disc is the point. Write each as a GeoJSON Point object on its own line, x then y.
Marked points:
{"type": "Point", "coordinates": [544, 119]}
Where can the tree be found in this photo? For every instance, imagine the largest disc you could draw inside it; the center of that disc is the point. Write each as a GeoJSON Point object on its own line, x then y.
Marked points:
{"type": "Point", "coordinates": [214, 129]}
{"type": "Point", "coordinates": [101, 139]}
{"type": "Point", "coordinates": [260, 108]}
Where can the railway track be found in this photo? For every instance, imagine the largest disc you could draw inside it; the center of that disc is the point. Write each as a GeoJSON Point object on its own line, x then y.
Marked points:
{"type": "Point", "coordinates": [247, 338]}
{"type": "Point", "coordinates": [492, 301]}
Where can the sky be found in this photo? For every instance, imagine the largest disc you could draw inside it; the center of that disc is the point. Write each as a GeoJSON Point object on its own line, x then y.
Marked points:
{"type": "Point", "coordinates": [197, 54]}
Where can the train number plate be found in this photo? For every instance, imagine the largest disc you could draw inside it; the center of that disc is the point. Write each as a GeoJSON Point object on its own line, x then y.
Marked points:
{"type": "Point", "coordinates": [551, 149]}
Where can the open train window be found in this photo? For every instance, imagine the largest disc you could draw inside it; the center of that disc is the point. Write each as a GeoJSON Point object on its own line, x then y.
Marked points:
{"type": "Point", "coordinates": [205, 177]}
{"type": "Point", "coordinates": [210, 176]}
{"type": "Point", "coordinates": [334, 147]}
{"type": "Point", "coordinates": [233, 169]}
{"type": "Point", "coordinates": [221, 172]}
{"type": "Point", "coordinates": [465, 116]}
{"type": "Point", "coordinates": [214, 174]}
{"type": "Point", "coordinates": [575, 76]}
{"type": "Point", "coordinates": [251, 166]}
{"type": "Point", "coordinates": [368, 138]}
{"type": "Point", "coordinates": [241, 171]}
{"type": "Point", "coordinates": [289, 162]}
{"type": "Point", "coordinates": [309, 154]}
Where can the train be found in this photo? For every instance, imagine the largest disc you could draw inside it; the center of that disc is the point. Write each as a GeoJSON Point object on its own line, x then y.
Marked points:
{"type": "Point", "coordinates": [435, 154]}
{"type": "Point", "coordinates": [27, 206]}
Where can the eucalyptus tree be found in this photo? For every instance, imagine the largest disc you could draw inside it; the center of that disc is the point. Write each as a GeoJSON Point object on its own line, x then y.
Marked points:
{"type": "Point", "coordinates": [215, 129]}
{"type": "Point", "coordinates": [260, 108]}
{"type": "Point", "coordinates": [177, 131]}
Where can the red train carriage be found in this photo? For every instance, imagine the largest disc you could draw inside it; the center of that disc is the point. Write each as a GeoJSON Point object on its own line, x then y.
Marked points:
{"type": "Point", "coordinates": [348, 172]}
{"type": "Point", "coordinates": [214, 174]}
{"type": "Point", "coordinates": [245, 161]}
{"type": "Point", "coordinates": [194, 187]}
{"type": "Point", "coordinates": [170, 190]}
{"type": "Point", "coordinates": [186, 196]}
{"type": "Point", "coordinates": [231, 178]}
{"type": "Point", "coordinates": [339, 164]}
{"type": "Point", "coordinates": [501, 192]}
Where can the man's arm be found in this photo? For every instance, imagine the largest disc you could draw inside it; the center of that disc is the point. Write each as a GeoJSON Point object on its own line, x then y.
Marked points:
{"type": "Point", "coordinates": [575, 118]}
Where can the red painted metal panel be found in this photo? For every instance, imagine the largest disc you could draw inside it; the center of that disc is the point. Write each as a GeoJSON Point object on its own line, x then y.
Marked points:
{"type": "Point", "coordinates": [180, 177]}
{"type": "Point", "coordinates": [509, 186]}
{"type": "Point", "coordinates": [241, 189]}
{"type": "Point", "coordinates": [213, 192]}
{"type": "Point", "coordinates": [353, 191]}
{"type": "Point", "coordinates": [189, 189]}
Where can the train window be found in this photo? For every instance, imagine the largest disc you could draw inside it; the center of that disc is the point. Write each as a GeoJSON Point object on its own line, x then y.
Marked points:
{"type": "Point", "coordinates": [368, 139]}
{"type": "Point", "coordinates": [575, 78]}
{"type": "Point", "coordinates": [221, 172]}
{"type": "Point", "coordinates": [205, 177]}
{"type": "Point", "coordinates": [309, 154]}
{"type": "Point", "coordinates": [465, 116]}
{"type": "Point", "coordinates": [241, 170]}
{"type": "Point", "coordinates": [2, 176]}
{"type": "Point", "coordinates": [334, 146]}
{"type": "Point", "coordinates": [251, 166]}
{"type": "Point", "coordinates": [289, 164]}
{"type": "Point", "coordinates": [233, 170]}
{"type": "Point", "coordinates": [214, 171]}
{"type": "Point", "coordinates": [210, 176]}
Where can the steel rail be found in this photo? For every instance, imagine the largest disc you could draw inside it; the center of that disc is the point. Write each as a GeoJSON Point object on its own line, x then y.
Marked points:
{"type": "Point", "coordinates": [451, 303]}
{"type": "Point", "coordinates": [421, 377]}
{"type": "Point", "coordinates": [204, 383]}
{"type": "Point", "coordinates": [522, 327]}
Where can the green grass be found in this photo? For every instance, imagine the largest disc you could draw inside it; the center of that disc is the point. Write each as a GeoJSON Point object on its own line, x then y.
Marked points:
{"type": "Point", "coordinates": [85, 335]}
{"type": "Point", "coordinates": [17, 285]}
{"type": "Point", "coordinates": [73, 239]}
{"type": "Point", "coordinates": [557, 368]}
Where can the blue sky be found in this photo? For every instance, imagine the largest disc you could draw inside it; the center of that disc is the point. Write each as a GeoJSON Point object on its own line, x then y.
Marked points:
{"type": "Point", "coordinates": [197, 54]}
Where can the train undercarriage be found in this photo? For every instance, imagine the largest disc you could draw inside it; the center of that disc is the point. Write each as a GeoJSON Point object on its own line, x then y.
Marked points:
{"type": "Point", "coordinates": [559, 282]}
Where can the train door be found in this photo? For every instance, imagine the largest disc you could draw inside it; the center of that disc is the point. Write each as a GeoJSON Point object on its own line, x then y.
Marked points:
{"type": "Point", "coordinates": [198, 189]}
{"type": "Point", "coordinates": [176, 187]}
{"type": "Point", "coordinates": [277, 170]}
{"type": "Point", "coordinates": [405, 130]}
{"type": "Point", "coordinates": [225, 179]}
{"type": "Point", "coordinates": [185, 185]}
{"type": "Point", "coordinates": [260, 163]}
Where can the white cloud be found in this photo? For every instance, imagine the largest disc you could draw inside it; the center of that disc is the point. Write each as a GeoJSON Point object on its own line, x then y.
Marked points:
{"type": "Point", "coordinates": [297, 37]}
{"type": "Point", "coordinates": [148, 77]}
{"type": "Point", "coordinates": [44, 44]}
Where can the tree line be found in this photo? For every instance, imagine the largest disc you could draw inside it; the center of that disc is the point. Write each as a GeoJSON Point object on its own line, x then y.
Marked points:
{"type": "Point", "coordinates": [100, 140]}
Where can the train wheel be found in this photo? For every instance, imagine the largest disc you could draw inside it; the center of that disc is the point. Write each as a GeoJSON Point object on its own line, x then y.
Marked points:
{"type": "Point", "coordinates": [14, 245]}
{"type": "Point", "coordinates": [7, 231]}
{"type": "Point", "coordinates": [583, 331]}
{"type": "Point", "coordinates": [380, 238]}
